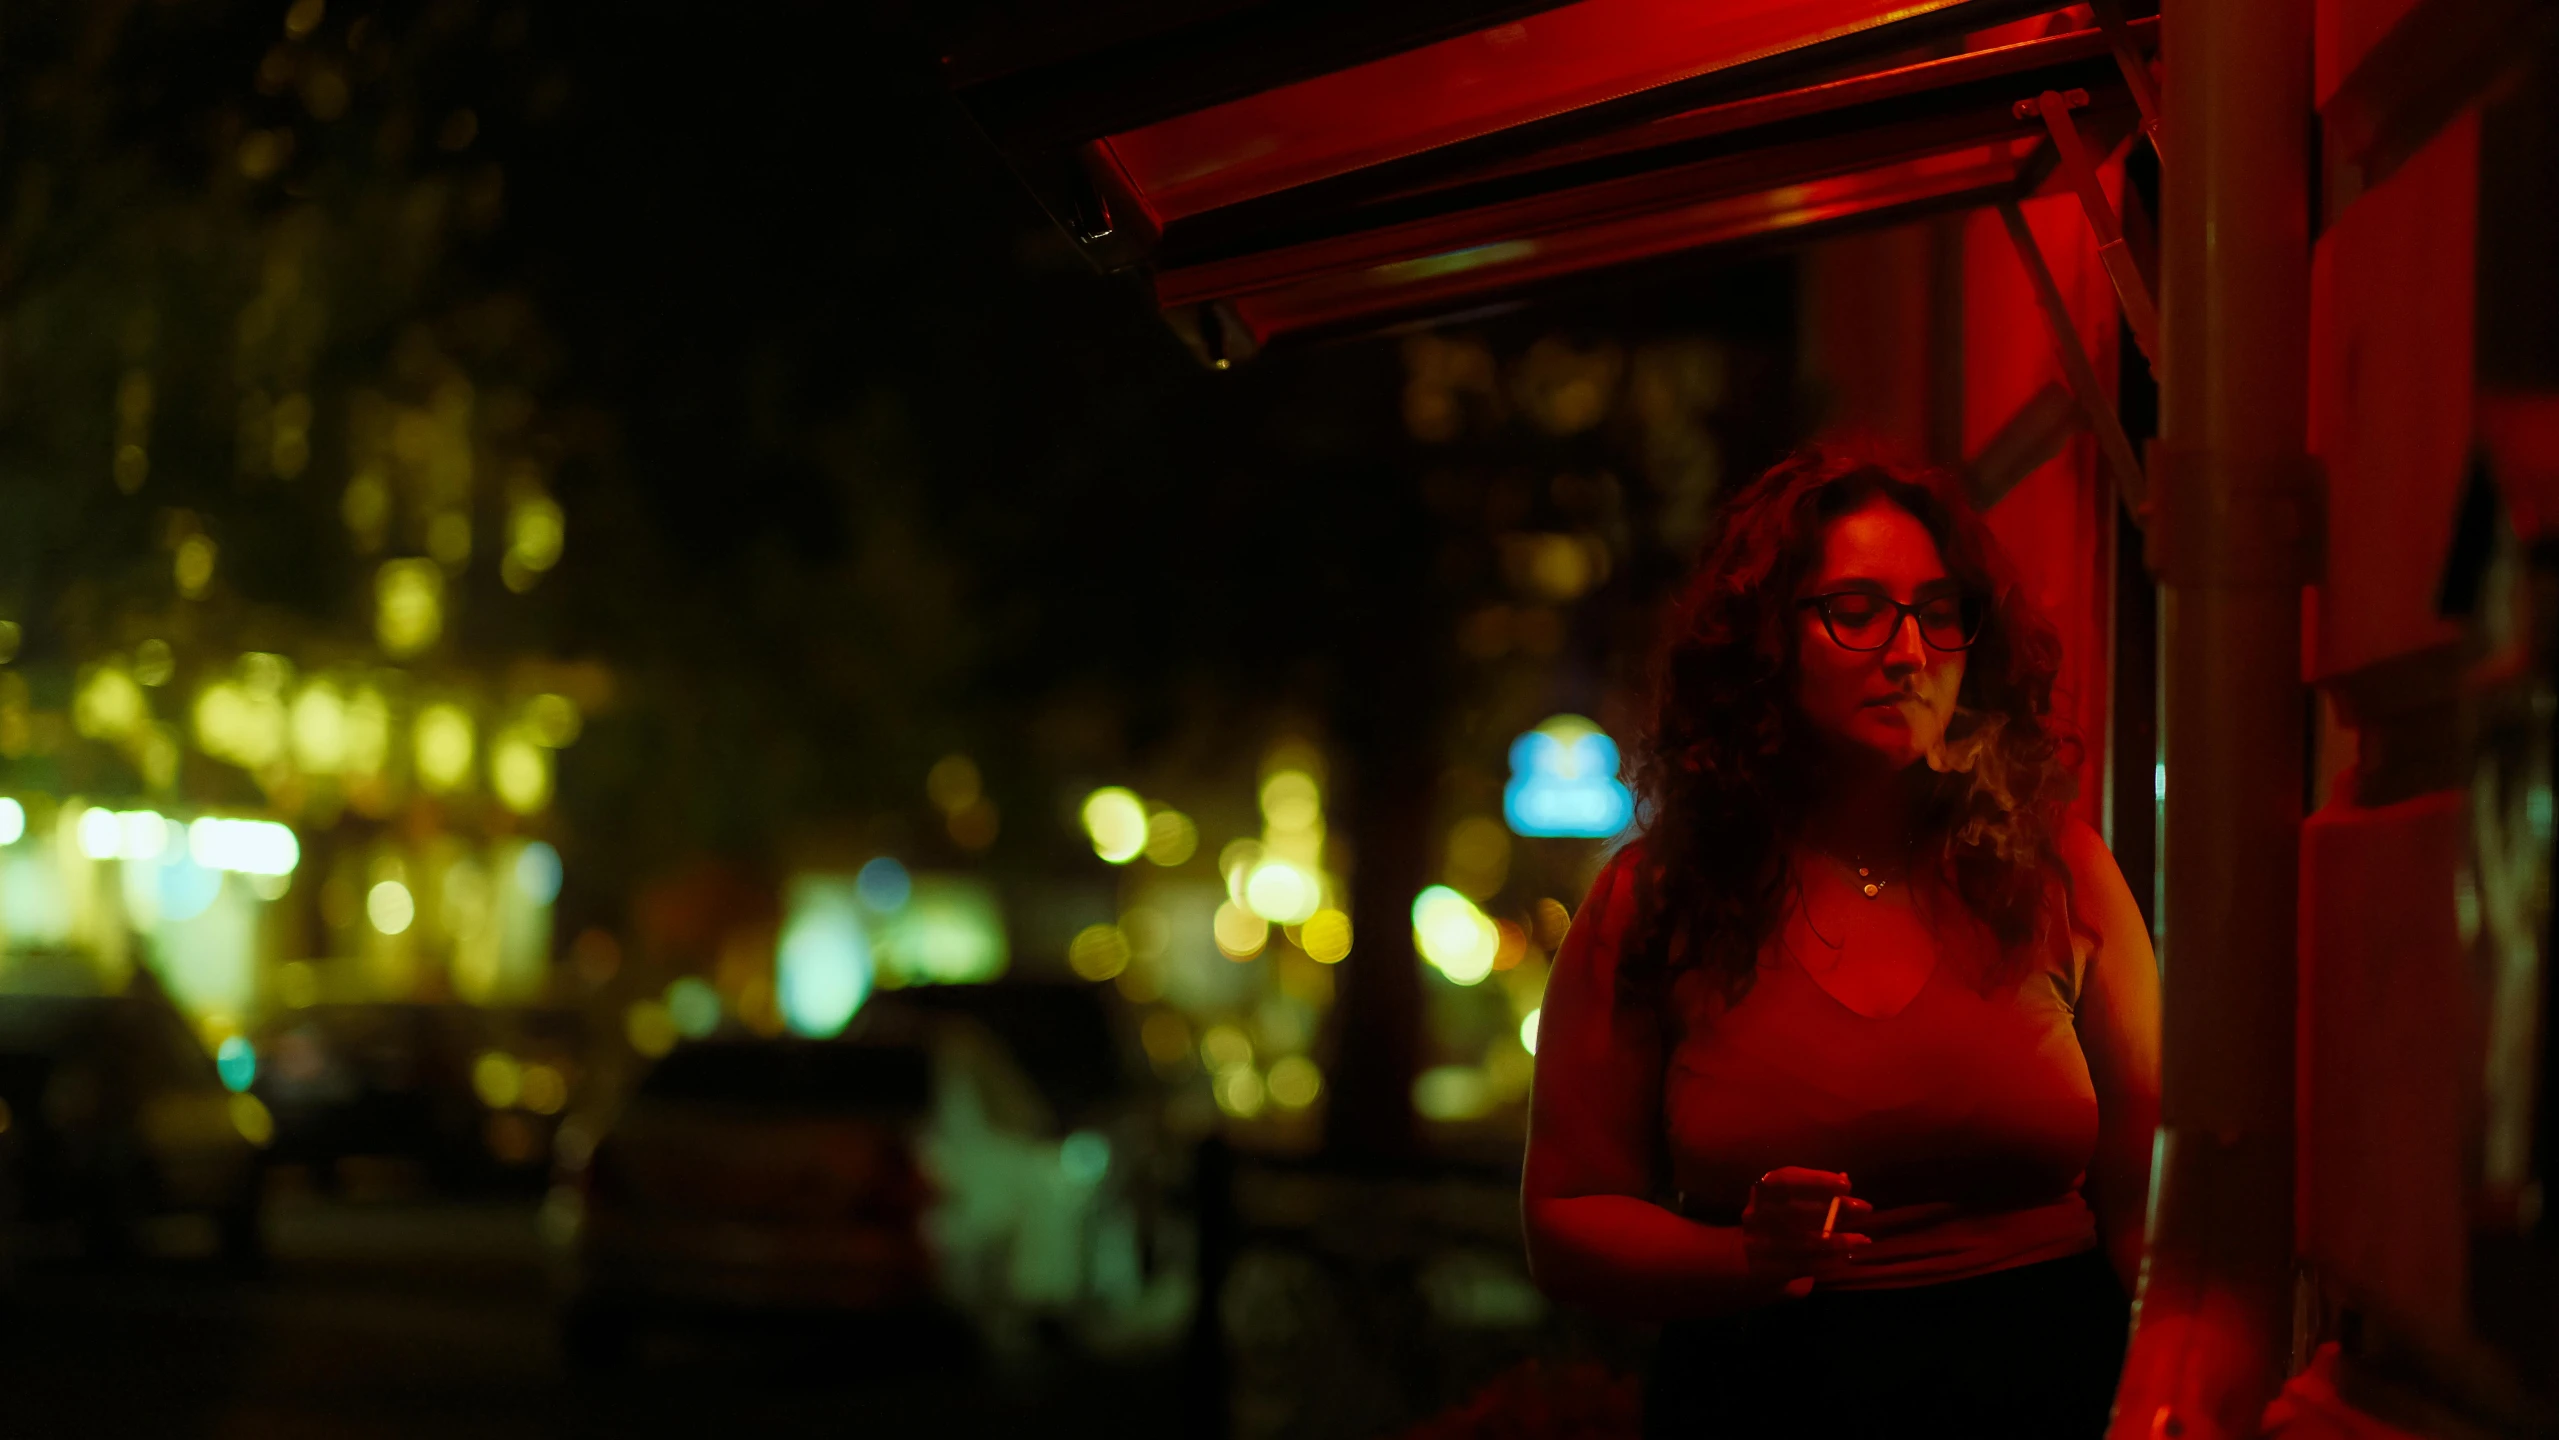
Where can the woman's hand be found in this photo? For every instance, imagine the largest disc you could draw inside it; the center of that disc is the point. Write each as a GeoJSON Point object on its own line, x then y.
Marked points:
{"type": "Point", "coordinates": [1782, 1226]}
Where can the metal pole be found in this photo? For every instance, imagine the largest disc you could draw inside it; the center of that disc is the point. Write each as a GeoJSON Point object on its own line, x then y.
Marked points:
{"type": "Point", "coordinates": [2233, 540]}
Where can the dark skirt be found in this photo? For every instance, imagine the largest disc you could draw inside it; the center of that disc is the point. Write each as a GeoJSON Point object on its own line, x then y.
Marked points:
{"type": "Point", "coordinates": [2032, 1351]}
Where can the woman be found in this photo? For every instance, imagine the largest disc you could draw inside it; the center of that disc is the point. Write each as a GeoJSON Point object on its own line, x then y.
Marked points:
{"type": "Point", "coordinates": [1849, 1067]}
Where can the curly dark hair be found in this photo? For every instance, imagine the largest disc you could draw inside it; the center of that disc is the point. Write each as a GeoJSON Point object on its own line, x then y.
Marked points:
{"type": "Point", "coordinates": [1723, 768]}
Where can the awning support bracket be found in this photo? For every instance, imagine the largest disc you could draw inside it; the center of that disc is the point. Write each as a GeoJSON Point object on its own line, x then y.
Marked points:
{"type": "Point", "coordinates": [2131, 287]}
{"type": "Point", "coordinates": [2110, 18]}
{"type": "Point", "coordinates": [2112, 443]}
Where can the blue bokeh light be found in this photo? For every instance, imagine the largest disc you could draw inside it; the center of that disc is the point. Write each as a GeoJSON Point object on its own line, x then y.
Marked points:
{"type": "Point", "coordinates": [1564, 782]}
{"type": "Point", "coordinates": [187, 889]}
{"type": "Point", "coordinates": [236, 1061]}
{"type": "Point", "coordinates": [537, 873]}
{"type": "Point", "coordinates": [884, 885]}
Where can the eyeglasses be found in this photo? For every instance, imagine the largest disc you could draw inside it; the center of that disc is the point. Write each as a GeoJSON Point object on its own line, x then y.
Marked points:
{"type": "Point", "coordinates": [1863, 620]}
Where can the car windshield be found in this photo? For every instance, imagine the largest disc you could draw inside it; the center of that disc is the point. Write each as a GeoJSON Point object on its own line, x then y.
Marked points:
{"type": "Point", "coordinates": [806, 1078]}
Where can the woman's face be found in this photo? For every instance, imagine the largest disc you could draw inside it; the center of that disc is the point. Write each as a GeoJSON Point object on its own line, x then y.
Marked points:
{"type": "Point", "coordinates": [1893, 703]}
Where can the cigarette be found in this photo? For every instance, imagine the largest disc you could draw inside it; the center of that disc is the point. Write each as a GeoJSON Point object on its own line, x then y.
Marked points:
{"type": "Point", "coordinates": [1831, 1217]}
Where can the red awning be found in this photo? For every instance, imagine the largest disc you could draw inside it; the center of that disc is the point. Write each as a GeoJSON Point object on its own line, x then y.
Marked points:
{"type": "Point", "coordinates": [1560, 144]}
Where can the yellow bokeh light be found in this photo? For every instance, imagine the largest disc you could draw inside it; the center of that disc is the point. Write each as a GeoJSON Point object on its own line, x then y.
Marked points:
{"type": "Point", "coordinates": [1528, 1030]}
{"type": "Point", "coordinates": [250, 1116]}
{"type": "Point", "coordinates": [320, 728]}
{"type": "Point", "coordinates": [1240, 933]}
{"type": "Point", "coordinates": [390, 907]}
{"type": "Point", "coordinates": [408, 605]}
{"type": "Point", "coordinates": [546, 1090]}
{"type": "Point", "coordinates": [244, 724]}
{"type": "Point", "coordinates": [367, 509]}
{"type": "Point", "coordinates": [109, 705]}
{"type": "Point", "coordinates": [1224, 1047]}
{"type": "Point", "coordinates": [1098, 952]}
{"type": "Point", "coordinates": [553, 719]}
{"type": "Point", "coordinates": [953, 784]}
{"type": "Point", "coordinates": [1171, 838]}
{"type": "Point", "coordinates": [154, 662]}
{"type": "Point", "coordinates": [449, 539]}
{"type": "Point", "coordinates": [1454, 936]}
{"type": "Point", "coordinates": [1282, 893]}
{"type": "Point", "coordinates": [1115, 820]}
{"type": "Point", "coordinates": [1236, 863]}
{"type": "Point", "coordinates": [368, 732]}
{"type": "Point", "coordinates": [444, 746]}
{"type": "Point", "coordinates": [1452, 1092]}
{"type": "Point", "coordinates": [498, 1079]}
{"type": "Point", "coordinates": [1294, 1083]}
{"type": "Point", "coordinates": [649, 1028]}
{"type": "Point", "coordinates": [520, 771]}
{"type": "Point", "coordinates": [1326, 936]}
{"type": "Point", "coordinates": [1292, 801]}
{"type": "Point", "coordinates": [1240, 1092]}
{"type": "Point", "coordinates": [536, 532]}
{"type": "Point", "coordinates": [193, 567]}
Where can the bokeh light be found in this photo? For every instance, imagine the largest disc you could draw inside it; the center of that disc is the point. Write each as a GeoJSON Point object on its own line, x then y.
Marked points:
{"type": "Point", "coordinates": [1115, 821]}
{"type": "Point", "coordinates": [1225, 1046]}
{"type": "Point", "coordinates": [1240, 1092]}
{"type": "Point", "coordinates": [236, 1061]}
{"type": "Point", "coordinates": [1085, 1157]}
{"type": "Point", "coordinates": [249, 1116]}
{"type": "Point", "coordinates": [883, 885]}
{"type": "Point", "coordinates": [408, 606]}
{"type": "Point", "coordinates": [1171, 838]}
{"type": "Point", "coordinates": [1564, 782]}
{"type": "Point", "coordinates": [1294, 1083]}
{"type": "Point", "coordinates": [1098, 952]}
{"type": "Point", "coordinates": [1292, 801]}
{"type": "Point", "coordinates": [1282, 893]}
{"type": "Point", "coordinates": [546, 1090]}
{"type": "Point", "coordinates": [1240, 934]}
{"type": "Point", "coordinates": [520, 771]}
{"type": "Point", "coordinates": [823, 962]}
{"type": "Point", "coordinates": [498, 1079]}
{"type": "Point", "coordinates": [1455, 937]}
{"type": "Point", "coordinates": [649, 1028]}
{"type": "Point", "coordinates": [694, 1007]}
{"type": "Point", "coordinates": [1528, 1030]}
{"type": "Point", "coordinates": [444, 746]}
{"type": "Point", "coordinates": [319, 727]}
{"type": "Point", "coordinates": [13, 821]}
{"type": "Point", "coordinates": [537, 872]}
{"type": "Point", "coordinates": [953, 784]}
{"type": "Point", "coordinates": [1326, 937]}
{"type": "Point", "coordinates": [390, 907]}
{"type": "Point", "coordinates": [1452, 1092]}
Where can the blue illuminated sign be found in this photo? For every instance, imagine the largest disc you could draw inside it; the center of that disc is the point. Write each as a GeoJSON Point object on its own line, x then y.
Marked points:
{"type": "Point", "coordinates": [1564, 782]}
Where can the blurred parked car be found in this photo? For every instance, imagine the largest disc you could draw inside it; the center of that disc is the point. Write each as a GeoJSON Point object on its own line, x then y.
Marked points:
{"type": "Point", "coordinates": [912, 1169]}
{"type": "Point", "coordinates": [112, 1115]}
{"type": "Point", "coordinates": [468, 1095]}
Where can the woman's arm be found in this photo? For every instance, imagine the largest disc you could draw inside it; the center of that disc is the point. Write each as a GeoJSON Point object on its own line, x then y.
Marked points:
{"type": "Point", "coordinates": [2119, 1032]}
{"type": "Point", "coordinates": [1595, 1134]}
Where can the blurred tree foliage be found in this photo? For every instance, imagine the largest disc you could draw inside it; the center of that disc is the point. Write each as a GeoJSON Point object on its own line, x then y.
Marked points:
{"type": "Point", "coordinates": [858, 464]}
